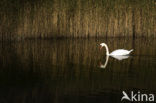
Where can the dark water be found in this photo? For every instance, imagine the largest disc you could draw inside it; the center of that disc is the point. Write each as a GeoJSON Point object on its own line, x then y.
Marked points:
{"type": "Point", "coordinates": [58, 71]}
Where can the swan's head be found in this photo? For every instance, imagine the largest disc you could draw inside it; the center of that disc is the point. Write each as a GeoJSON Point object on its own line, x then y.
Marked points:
{"type": "Point", "coordinates": [102, 45]}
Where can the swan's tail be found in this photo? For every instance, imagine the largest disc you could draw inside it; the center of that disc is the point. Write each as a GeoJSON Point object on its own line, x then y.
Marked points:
{"type": "Point", "coordinates": [131, 50]}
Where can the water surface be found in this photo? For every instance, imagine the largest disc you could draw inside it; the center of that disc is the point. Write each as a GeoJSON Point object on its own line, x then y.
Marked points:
{"type": "Point", "coordinates": [71, 71]}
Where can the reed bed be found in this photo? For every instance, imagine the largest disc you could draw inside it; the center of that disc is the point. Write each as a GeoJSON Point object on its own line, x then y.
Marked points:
{"type": "Point", "coordinates": [25, 19]}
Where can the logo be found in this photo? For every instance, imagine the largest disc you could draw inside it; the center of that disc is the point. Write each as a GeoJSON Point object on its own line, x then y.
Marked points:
{"type": "Point", "coordinates": [137, 97]}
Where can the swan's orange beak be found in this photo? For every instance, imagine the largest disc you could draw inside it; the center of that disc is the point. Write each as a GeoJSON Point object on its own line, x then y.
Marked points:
{"type": "Point", "coordinates": [101, 47]}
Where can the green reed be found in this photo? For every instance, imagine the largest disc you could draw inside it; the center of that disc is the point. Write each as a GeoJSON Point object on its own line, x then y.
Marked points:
{"type": "Point", "coordinates": [22, 19]}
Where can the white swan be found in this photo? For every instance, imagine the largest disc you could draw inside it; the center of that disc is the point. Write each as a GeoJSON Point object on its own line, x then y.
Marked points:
{"type": "Point", "coordinates": [116, 52]}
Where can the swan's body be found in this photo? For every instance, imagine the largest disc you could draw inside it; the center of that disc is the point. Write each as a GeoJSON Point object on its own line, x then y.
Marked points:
{"type": "Point", "coordinates": [116, 52]}
{"type": "Point", "coordinates": [121, 52]}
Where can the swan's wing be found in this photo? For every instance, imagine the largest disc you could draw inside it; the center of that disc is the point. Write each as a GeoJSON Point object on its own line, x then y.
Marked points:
{"type": "Point", "coordinates": [120, 52]}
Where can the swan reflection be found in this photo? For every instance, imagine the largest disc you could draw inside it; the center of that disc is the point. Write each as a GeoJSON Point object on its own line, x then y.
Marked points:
{"type": "Point", "coordinates": [118, 57]}
{"type": "Point", "coordinates": [104, 65]}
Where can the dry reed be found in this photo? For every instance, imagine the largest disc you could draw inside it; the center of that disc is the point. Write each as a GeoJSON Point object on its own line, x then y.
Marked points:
{"type": "Point", "coordinates": [77, 18]}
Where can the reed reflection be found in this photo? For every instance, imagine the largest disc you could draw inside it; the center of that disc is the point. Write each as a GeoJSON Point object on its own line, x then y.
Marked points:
{"type": "Point", "coordinates": [59, 70]}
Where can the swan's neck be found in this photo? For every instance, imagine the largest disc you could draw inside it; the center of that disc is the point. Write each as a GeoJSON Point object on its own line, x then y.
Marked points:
{"type": "Point", "coordinates": [107, 51]}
